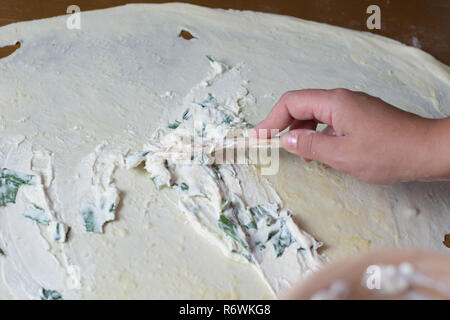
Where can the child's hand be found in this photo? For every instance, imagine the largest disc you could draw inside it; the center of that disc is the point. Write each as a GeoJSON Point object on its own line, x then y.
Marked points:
{"type": "Point", "coordinates": [366, 138]}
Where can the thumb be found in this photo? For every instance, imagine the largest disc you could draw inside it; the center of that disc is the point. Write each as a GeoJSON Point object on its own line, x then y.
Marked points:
{"type": "Point", "coordinates": [310, 144]}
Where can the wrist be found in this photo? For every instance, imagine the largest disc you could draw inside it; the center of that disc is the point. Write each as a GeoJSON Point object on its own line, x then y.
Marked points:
{"type": "Point", "coordinates": [436, 161]}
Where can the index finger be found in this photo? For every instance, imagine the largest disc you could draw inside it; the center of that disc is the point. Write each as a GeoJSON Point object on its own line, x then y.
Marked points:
{"type": "Point", "coordinates": [311, 104]}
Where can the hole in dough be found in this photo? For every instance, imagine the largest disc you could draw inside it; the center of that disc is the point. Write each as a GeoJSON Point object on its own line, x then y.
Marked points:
{"type": "Point", "coordinates": [186, 35]}
{"type": "Point", "coordinates": [8, 50]}
{"type": "Point", "coordinates": [447, 240]}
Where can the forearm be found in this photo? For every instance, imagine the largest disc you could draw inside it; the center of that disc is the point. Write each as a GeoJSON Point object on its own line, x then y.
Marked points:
{"type": "Point", "coordinates": [438, 167]}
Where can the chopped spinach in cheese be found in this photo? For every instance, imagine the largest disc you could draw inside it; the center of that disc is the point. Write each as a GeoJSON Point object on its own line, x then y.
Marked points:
{"type": "Point", "coordinates": [211, 192]}
{"type": "Point", "coordinates": [225, 205]}
{"type": "Point", "coordinates": [180, 187]}
{"type": "Point", "coordinates": [187, 114]}
{"type": "Point", "coordinates": [95, 216]}
{"type": "Point", "coordinates": [230, 229]}
{"type": "Point", "coordinates": [209, 102]}
{"type": "Point", "coordinates": [184, 186]}
{"type": "Point", "coordinates": [281, 239]}
{"type": "Point", "coordinates": [58, 231]}
{"type": "Point", "coordinates": [202, 131]}
{"type": "Point", "coordinates": [50, 295]}
{"type": "Point", "coordinates": [227, 118]}
{"type": "Point", "coordinates": [210, 58]}
{"type": "Point", "coordinates": [260, 224]}
{"type": "Point", "coordinates": [37, 214]}
{"type": "Point", "coordinates": [10, 181]}
{"type": "Point", "coordinates": [88, 212]}
{"type": "Point", "coordinates": [174, 124]}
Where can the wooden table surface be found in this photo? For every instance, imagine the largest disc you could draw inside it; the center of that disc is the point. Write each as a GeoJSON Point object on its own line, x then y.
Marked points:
{"type": "Point", "coordinates": [422, 23]}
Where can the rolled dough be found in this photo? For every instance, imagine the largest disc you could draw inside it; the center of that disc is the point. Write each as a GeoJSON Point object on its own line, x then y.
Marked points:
{"type": "Point", "coordinates": [71, 101]}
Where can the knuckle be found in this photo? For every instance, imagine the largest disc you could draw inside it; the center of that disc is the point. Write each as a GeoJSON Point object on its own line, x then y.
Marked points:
{"type": "Point", "coordinates": [287, 95]}
{"type": "Point", "coordinates": [342, 92]}
{"type": "Point", "coordinates": [305, 146]}
{"type": "Point", "coordinates": [342, 97]}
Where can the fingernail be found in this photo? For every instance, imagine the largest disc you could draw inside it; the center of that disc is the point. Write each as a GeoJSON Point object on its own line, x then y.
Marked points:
{"type": "Point", "coordinates": [289, 141]}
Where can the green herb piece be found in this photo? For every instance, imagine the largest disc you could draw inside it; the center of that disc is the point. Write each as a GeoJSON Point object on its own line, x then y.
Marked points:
{"type": "Point", "coordinates": [260, 211]}
{"type": "Point", "coordinates": [281, 239]}
{"type": "Point", "coordinates": [259, 245]}
{"type": "Point", "coordinates": [265, 212]}
{"type": "Point", "coordinates": [203, 130]}
{"type": "Point", "coordinates": [59, 231]}
{"type": "Point", "coordinates": [271, 234]}
{"type": "Point", "coordinates": [209, 102]}
{"type": "Point", "coordinates": [225, 205]}
{"type": "Point", "coordinates": [184, 186]}
{"type": "Point", "coordinates": [141, 153]}
{"type": "Point", "coordinates": [90, 223]}
{"type": "Point", "coordinates": [50, 295]}
{"type": "Point", "coordinates": [2, 253]}
{"type": "Point", "coordinates": [181, 186]}
{"type": "Point", "coordinates": [10, 181]}
{"type": "Point", "coordinates": [174, 124]}
{"type": "Point", "coordinates": [16, 177]}
{"type": "Point", "coordinates": [216, 170]}
{"type": "Point", "coordinates": [227, 119]}
{"type": "Point", "coordinates": [36, 214]}
{"type": "Point", "coordinates": [247, 256]}
{"type": "Point", "coordinates": [211, 59]}
{"type": "Point", "coordinates": [96, 215]}
{"type": "Point", "coordinates": [229, 228]}
{"type": "Point", "coordinates": [186, 114]}
{"type": "Point", "coordinates": [252, 225]}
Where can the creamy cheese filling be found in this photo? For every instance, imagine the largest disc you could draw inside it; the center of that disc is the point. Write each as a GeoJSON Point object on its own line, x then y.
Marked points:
{"type": "Point", "coordinates": [212, 195]}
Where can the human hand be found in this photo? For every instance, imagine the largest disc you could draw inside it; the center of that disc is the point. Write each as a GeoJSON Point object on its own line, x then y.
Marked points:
{"type": "Point", "coordinates": [366, 137]}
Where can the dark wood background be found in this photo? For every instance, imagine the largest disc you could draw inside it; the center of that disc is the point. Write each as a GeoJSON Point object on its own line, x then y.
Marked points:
{"type": "Point", "coordinates": [424, 23]}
